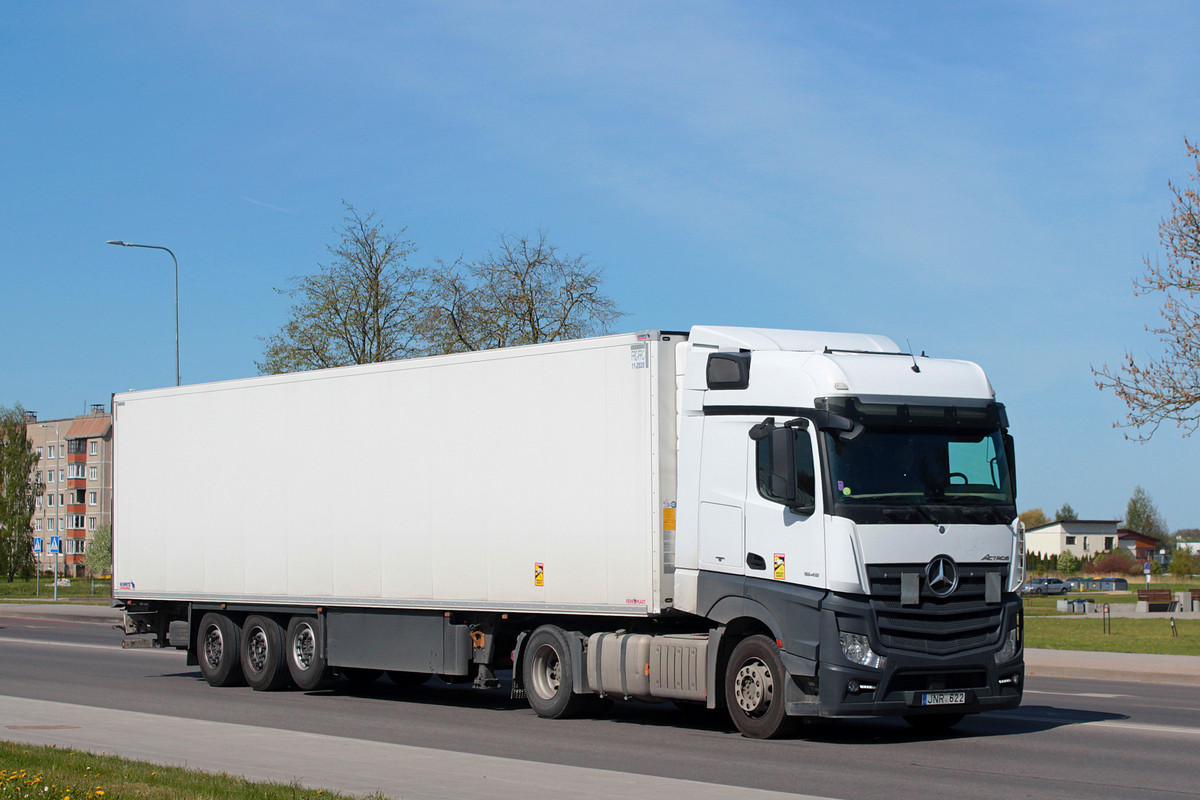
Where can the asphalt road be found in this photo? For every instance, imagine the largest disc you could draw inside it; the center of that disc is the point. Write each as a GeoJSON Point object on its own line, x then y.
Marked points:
{"type": "Point", "coordinates": [1072, 738]}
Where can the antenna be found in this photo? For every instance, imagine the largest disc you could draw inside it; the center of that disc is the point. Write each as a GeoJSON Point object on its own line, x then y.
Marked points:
{"type": "Point", "coordinates": [915, 368]}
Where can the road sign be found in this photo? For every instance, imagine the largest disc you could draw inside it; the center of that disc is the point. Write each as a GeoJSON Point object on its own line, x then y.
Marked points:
{"type": "Point", "coordinates": [54, 540]}
{"type": "Point", "coordinates": [37, 544]}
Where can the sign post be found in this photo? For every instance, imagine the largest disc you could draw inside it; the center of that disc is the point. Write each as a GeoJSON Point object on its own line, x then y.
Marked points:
{"type": "Point", "coordinates": [54, 548]}
{"type": "Point", "coordinates": [37, 567]}
{"type": "Point", "coordinates": [1146, 572]}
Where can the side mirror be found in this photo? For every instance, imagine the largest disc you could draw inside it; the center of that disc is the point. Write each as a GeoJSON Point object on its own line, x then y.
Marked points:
{"type": "Point", "coordinates": [782, 442]}
{"type": "Point", "coordinates": [1010, 452]}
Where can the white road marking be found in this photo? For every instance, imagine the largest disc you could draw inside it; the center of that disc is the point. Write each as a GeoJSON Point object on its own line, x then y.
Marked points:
{"type": "Point", "coordinates": [1080, 694]}
{"type": "Point", "coordinates": [112, 648]}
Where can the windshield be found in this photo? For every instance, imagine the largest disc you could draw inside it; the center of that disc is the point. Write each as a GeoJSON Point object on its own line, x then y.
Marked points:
{"type": "Point", "coordinates": [907, 467]}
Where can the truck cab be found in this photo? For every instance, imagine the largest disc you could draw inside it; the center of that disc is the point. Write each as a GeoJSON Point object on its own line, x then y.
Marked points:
{"type": "Point", "coordinates": [857, 506]}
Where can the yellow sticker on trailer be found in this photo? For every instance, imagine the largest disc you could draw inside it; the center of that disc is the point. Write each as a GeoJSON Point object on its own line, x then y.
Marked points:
{"type": "Point", "coordinates": [668, 519]}
{"type": "Point", "coordinates": [779, 569]}
{"type": "Point", "coordinates": [539, 574]}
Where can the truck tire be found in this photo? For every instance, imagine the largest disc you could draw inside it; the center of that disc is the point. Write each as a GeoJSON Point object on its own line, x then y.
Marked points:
{"type": "Point", "coordinates": [305, 663]}
{"type": "Point", "coordinates": [754, 689]}
{"type": "Point", "coordinates": [408, 680]}
{"type": "Point", "coordinates": [549, 673]}
{"type": "Point", "coordinates": [217, 650]}
{"type": "Point", "coordinates": [263, 663]}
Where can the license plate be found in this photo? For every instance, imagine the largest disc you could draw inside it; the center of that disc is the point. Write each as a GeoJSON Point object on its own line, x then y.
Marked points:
{"type": "Point", "coordinates": [943, 698]}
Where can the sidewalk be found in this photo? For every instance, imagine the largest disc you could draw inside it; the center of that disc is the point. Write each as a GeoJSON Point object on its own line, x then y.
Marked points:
{"type": "Point", "coordinates": [1042, 663]}
{"type": "Point", "coordinates": [354, 766]}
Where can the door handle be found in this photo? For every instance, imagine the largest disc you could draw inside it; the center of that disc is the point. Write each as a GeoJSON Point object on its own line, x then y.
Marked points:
{"type": "Point", "coordinates": [755, 561]}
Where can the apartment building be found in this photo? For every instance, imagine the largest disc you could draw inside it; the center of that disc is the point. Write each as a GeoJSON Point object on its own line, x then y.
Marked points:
{"type": "Point", "coordinates": [75, 466]}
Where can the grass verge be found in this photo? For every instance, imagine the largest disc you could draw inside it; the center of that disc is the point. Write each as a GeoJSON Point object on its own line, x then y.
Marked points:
{"type": "Point", "coordinates": [80, 590]}
{"type": "Point", "coordinates": [1128, 635]}
{"type": "Point", "coordinates": [54, 773]}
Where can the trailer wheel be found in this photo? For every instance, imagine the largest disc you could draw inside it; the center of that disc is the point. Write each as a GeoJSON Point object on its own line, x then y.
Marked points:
{"type": "Point", "coordinates": [932, 723]}
{"type": "Point", "coordinates": [549, 675]}
{"type": "Point", "coordinates": [217, 650]}
{"type": "Point", "coordinates": [754, 684]}
{"type": "Point", "coordinates": [408, 680]}
{"type": "Point", "coordinates": [262, 654]}
{"type": "Point", "coordinates": [305, 663]}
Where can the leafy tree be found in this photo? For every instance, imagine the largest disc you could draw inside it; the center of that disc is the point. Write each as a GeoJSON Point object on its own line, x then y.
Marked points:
{"type": "Point", "coordinates": [18, 489]}
{"type": "Point", "coordinates": [1033, 517]}
{"type": "Point", "coordinates": [1183, 563]}
{"type": "Point", "coordinates": [99, 552]}
{"type": "Point", "coordinates": [1187, 535]}
{"type": "Point", "coordinates": [1168, 388]}
{"type": "Point", "coordinates": [1066, 512]}
{"type": "Point", "coordinates": [368, 305]}
{"type": "Point", "coordinates": [1142, 515]}
{"type": "Point", "coordinates": [1118, 562]}
{"type": "Point", "coordinates": [526, 291]}
{"type": "Point", "coordinates": [1068, 564]}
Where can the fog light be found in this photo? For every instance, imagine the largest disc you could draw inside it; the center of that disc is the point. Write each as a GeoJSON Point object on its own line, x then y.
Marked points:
{"type": "Point", "coordinates": [1009, 649]}
{"type": "Point", "coordinates": [857, 650]}
{"type": "Point", "coordinates": [1010, 680]}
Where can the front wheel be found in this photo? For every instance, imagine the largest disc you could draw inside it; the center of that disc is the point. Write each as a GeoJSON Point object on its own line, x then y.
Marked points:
{"type": "Point", "coordinates": [754, 689]}
{"type": "Point", "coordinates": [549, 674]}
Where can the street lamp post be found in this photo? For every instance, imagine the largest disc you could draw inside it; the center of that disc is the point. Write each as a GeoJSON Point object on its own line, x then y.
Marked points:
{"type": "Point", "coordinates": [157, 247]}
{"type": "Point", "coordinates": [57, 483]}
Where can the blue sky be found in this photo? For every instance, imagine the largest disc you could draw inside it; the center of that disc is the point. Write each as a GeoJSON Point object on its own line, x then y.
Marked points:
{"type": "Point", "coordinates": [980, 179]}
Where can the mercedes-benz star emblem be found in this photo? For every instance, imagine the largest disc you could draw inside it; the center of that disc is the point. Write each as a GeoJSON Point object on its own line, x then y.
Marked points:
{"type": "Point", "coordinates": [941, 576]}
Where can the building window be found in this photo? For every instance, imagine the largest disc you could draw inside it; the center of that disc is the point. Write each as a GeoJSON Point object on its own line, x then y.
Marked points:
{"type": "Point", "coordinates": [73, 546]}
{"type": "Point", "coordinates": [37, 501]}
{"type": "Point", "coordinates": [50, 451]}
{"type": "Point", "coordinates": [75, 523]}
{"type": "Point", "coordinates": [74, 470]}
{"type": "Point", "coordinates": [92, 472]}
{"type": "Point", "coordinates": [91, 523]}
{"type": "Point", "coordinates": [76, 447]}
{"type": "Point", "coordinates": [62, 500]}
{"type": "Point", "coordinates": [1085, 546]}
{"type": "Point", "coordinates": [50, 524]}
{"type": "Point", "coordinates": [93, 448]}
{"type": "Point", "coordinates": [1108, 543]}
{"type": "Point", "coordinates": [50, 500]}
{"type": "Point", "coordinates": [37, 526]}
{"type": "Point", "coordinates": [91, 498]}
{"type": "Point", "coordinates": [49, 476]}
{"type": "Point", "coordinates": [39, 452]}
{"type": "Point", "coordinates": [1070, 540]}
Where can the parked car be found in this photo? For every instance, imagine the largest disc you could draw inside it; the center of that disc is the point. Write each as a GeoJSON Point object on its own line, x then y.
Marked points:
{"type": "Point", "coordinates": [1045, 586]}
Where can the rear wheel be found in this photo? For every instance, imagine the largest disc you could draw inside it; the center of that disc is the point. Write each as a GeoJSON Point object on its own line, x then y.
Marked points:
{"type": "Point", "coordinates": [217, 650]}
{"type": "Point", "coordinates": [305, 663]}
{"type": "Point", "coordinates": [931, 723]}
{"type": "Point", "coordinates": [262, 654]}
{"type": "Point", "coordinates": [549, 674]}
{"type": "Point", "coordinates": [754, 687]}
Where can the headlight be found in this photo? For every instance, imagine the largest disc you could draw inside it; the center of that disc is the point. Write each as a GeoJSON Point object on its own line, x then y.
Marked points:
{"type": "Point", "coordinates": [857, 650]}
{"type": "Point", "coordinates": [1006, 652]}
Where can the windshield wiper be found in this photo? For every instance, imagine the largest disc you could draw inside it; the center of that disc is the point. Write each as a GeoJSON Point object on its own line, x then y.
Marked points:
{"type": "Point", "coordinates": [976, 503]}
{"type": "Point", "coordinates": [923, 512]}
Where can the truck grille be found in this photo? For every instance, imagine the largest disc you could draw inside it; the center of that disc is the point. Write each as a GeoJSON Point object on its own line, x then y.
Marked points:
{"type": "Point", "coordinates": [937, 626]}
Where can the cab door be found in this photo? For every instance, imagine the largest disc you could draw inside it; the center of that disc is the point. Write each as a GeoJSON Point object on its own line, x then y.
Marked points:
{"type": "Point", "coordinates": [783, 544]}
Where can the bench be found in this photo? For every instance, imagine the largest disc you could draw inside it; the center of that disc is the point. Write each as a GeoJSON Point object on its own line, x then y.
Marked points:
{"type": "Point", "coordinates": [1156, 597]}
{"type": "Point", "coordinates": [1195, 599]}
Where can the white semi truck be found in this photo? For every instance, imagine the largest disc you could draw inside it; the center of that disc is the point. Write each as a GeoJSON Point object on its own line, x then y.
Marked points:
{"type": "Point", "coordinates": [786, 524]}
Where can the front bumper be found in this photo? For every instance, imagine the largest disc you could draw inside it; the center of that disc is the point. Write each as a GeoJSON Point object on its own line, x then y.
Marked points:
{"type": "Point", "coordinates": [845, 689]}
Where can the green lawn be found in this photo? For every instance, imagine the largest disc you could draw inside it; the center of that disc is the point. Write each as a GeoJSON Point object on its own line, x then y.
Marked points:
{"type": "Point", "coordinates": [1128, 635]}
{"type": "Point", "coordinates": [52, 773]}
{"type": "Point", "coordinates": [81, 589]}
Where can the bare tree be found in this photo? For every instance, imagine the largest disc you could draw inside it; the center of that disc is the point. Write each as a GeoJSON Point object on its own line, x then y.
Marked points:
{"type": "Point", "coordinates": [1168, 388]}
{"type": "Point", "coordinates": [19, 486]}
{"type": "Point", "coordinates": [367, 306]}
{"type": "Point", "coordinates": [524, 292]}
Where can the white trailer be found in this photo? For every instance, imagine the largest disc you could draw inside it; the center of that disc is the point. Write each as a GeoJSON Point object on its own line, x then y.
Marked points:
{"type": "Point", "coordinates": [712, 516]}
